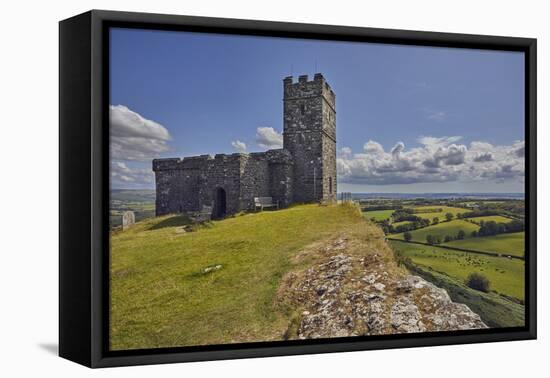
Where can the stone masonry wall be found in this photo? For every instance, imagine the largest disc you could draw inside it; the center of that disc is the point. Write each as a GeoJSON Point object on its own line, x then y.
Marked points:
{"type": "Point", "coordinates": [281, 176]}
{"type": "Point", "coordinates": [187, 184]}
{"type": "Point", "coordinates": [254, 179]}
{"type": "Point", "coordinates": [329, 150]}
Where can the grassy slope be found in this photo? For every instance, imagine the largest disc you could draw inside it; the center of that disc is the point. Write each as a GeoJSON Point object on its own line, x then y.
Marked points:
{"type": "Point", "coordinates": [378, 215]}
{"type": "Point", "coordinates": [441, 229]}
{"type": "Point", "coordinates": [494, 310]}
{"type": "Point", "coordinates": [513, 243]}
{"type": "Point", "coordinates": [506, 275]}
{"type": "Point", "coordinates": [160, 298]}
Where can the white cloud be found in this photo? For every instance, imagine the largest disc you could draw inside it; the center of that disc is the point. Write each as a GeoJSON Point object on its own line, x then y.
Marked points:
{"type": "Point", "coordinates": [434, 142]}
{"type": "Point", "coordinates": [483, 157]}
{"type": "Point", "coordinates": [268, 137]}
{"type": "Point", "coordinates": [134, 137]}
{"type": "Point", "coordinates": [238, 146]}
{"type": "Point", "coordinates": [450, 155]}
{"type": "Point", "coordinates": [123, 176]}
{"type": "Point", "coordinates": [520, 149]}
{"type": "Point", "coordinates": [372, 147]}
{"type": "Point", "coordinates": [437, 115]}
{"type": "Point", "coordinates": [345, 151]}
{"type": "Point", "coordinates": [397, 149]}
{"type": "Point", "coordinates": [438, 159]}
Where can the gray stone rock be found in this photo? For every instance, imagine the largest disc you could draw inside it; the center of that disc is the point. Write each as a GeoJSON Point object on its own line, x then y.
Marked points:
{"type": "Point", "coordinates": [128, 219]}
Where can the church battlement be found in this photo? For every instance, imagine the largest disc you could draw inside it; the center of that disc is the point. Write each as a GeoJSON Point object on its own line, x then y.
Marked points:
{"type": "Point", "coordinates": [308, 88]}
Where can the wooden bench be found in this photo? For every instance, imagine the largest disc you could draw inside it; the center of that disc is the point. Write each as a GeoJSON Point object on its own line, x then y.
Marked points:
{"type": "Point", "coordinates": [264, 202]}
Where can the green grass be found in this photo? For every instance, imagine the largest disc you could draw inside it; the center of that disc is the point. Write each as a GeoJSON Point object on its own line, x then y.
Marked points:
{"type": "Point", "coordinates": [510, 244]}
{"type": "Point", "coordinates": [506, 275]}
{"type": "Point", "coordinates": [395, 224]}
{"type": "Point", "coordinates": [427, 212]}
{"type": "Point", "coordinates": [441, 229]}
{"type": "Point", "coordinates": [162, 297]}
{"type": "Point", "coordinates": [378, 215]}
{"type": "Point", "coordinates": [494, 218]}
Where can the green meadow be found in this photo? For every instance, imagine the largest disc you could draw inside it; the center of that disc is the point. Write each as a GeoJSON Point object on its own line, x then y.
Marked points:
{"type": "Point", "coordinates": [434, 211]}
{"type": "Point", "coordinates": [510, 244]}
{"type": "Point", "coordinates": [489, 218]}
{"type": "Point", "coordinates": [506, 275]}
{"type": "Point", "coordinates": [442, 229]}
{"type": "Point", "coordinates": [378, 215]}
{"type": "Point", "coordinates": [397, 224]}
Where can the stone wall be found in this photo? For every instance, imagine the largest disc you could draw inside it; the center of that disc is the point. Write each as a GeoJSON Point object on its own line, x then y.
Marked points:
{"type": "Point", "coordinates": [186, 185]}
{"type": "Point", "coordinates": [254, 179]}
{"type": "Point", "coordinates": [281, 176]}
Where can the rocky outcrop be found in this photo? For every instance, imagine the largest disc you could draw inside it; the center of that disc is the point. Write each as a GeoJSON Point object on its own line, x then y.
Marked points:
{"type": "Point", "coordinates": [352, 291]}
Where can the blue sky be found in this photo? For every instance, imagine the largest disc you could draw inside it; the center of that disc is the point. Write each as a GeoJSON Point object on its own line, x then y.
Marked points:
{"type": "Point", "coordinates": [409, 119]}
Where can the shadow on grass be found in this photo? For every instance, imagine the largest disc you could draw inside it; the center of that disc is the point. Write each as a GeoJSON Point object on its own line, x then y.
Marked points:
{"type": "Point", "coordinates": [175, 221]}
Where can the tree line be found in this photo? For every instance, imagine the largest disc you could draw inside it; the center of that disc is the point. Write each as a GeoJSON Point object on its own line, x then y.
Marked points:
{"type": "Point", "coordinates": [489, 228]}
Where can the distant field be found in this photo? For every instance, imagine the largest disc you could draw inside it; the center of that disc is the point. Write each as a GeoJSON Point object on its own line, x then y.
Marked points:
{"type": "Point", "coordinates": [442, 229]}
{"type": "Point", "coordinates": [493, 202]}
{"type": "Point", "coordinates": [141, 202]}
{"type": "Point", "coordinates": [512, 244]}
{"type": "Point", "coordinates": [133, 195]}
{"type": "Point", "coordinates": [494, 218]}
{"type": "Point", "coordinates": [400, 223]}
{"type": "Point", "coordinates": [430, 214]}
{"type": "Point", "coordinates": [506, 275]}
{"type": "Point", "coordinates": [378, 215]}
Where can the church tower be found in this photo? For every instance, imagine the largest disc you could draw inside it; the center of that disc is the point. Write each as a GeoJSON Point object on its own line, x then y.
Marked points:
{"type": "Point", "coordinates": [309, 122]}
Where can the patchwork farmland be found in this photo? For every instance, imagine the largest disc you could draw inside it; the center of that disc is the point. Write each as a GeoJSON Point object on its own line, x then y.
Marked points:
{"type": "Point", "coordinates": [446, 241]}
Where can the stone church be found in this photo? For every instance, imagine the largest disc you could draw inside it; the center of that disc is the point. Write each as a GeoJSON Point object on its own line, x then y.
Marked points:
{"type": "Point", "coordinates": [303, 171]}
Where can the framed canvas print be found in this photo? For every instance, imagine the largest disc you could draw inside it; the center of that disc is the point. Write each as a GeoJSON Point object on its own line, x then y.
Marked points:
{"type": "Point", "coordinates": [233, 188]}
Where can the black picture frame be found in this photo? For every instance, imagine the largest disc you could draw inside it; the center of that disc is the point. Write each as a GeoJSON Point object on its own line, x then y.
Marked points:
{"type": "Point", "coordinates": [84, 187]}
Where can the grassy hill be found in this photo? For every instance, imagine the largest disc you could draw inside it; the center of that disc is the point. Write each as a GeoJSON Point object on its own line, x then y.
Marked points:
{"type": "Point", "coordinates": [216, 284]}
{"type": "Point", "coordinates": [441, 229]}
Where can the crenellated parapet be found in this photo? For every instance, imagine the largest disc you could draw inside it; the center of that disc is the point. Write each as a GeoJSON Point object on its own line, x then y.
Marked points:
{"type": "Point", "coordinates": [304, 88]}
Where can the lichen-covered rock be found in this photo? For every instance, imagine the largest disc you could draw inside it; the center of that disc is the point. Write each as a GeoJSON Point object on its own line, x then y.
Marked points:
{"type": "Point", "coordinates": [348, 295]}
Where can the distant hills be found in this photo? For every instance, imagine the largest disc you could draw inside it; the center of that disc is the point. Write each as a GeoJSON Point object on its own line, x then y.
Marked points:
{"type": "Point", "coordinates": [148, 195]}
{"type": "Point", "coordinates": [133, 195]}
{"type": "Point", "coordinates": [480, 196]}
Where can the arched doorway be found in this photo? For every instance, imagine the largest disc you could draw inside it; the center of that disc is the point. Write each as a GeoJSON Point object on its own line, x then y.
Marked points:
{"type": "Point", "coordinates": [220, 203]}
